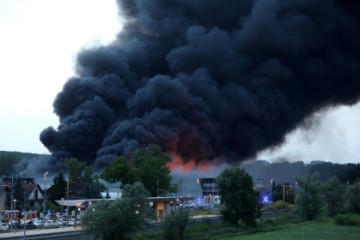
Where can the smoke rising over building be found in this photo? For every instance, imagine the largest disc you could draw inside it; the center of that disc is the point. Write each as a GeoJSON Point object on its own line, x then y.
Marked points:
{"type": "Point", "coordinates": [207, 80]}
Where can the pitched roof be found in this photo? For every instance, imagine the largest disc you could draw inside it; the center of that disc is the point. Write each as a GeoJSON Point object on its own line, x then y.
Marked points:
{"type": "Point", "coordinates": [30, 187]}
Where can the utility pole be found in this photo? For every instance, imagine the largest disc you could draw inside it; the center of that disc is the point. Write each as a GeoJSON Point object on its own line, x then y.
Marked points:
{"type": "Point", "coordinates": [283, 192]}
{"type": "Point", "coordinates": [45, 179]}
{"type": "Point", "coordinates": [67, 197]}
{"type": "Point", "coordinates": [25, 215]}
{"type": "Point", "coordinates": [157, 187]}
{"type": "Point", "coordinates": [12, 206]}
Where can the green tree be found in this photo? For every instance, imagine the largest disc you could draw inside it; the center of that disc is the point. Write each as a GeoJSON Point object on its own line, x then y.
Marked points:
{"type": "Point", "coordinates": [76, 169]}
{"type": "Point", "coordinates": [116, 220]}
{"type": "Point", "coordinates": [175, 224]}
{"type": "Point", "coordinates": [151, 169]}
{"type": "Point", "coordinates": [308, 200]}
{"type": "Point", "coordinates": [146, 165]}
{"type": "Point", "coordinates": [239, 199]}
{"type": "Point", "coordinates": [82, 173]}
{"type": "Point", "coordinates": [120, 171]}
{"type": "Point", "coordinates": [58, 189]}
{"type": "Point", "coordinates": [333, 195]}
{"type": "Point", "coordinates": [352, 198]}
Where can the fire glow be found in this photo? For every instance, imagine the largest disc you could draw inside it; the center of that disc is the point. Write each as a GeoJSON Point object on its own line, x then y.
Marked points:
{"type": "Point", "coordinates": [178, 164]}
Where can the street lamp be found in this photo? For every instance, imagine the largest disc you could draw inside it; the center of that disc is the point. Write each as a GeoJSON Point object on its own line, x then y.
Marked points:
{"type": "Point", "coordinates": [15, 222]}
{"type": "Point", "coordinates": [67, 197]}
{"type": "Point", "coordinates": [45, 179]}
{"type": "Point", "coordinates": [11, 203]}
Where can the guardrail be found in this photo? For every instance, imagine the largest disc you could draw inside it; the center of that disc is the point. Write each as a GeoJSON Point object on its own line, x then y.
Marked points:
{"type": "Point", "coordinates": [36, 234]}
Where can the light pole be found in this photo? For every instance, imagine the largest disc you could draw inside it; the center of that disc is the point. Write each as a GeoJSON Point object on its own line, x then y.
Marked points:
{"type": "Point", "coordinates": [25, 217]}
{"type": "Point", "coordinates": [283, 192]}
{"type": "Point", "coordinates": [272, 184]}
{"type": "Point", "coordinates": [67, 197]}
{"type": "Point", "coordinates": [15, 204]}
{"type": "Point", "coordinates": [45, 179]}
{"type": "Point", "coordinates": [12, 204]}
{"type": "Point", "coordinates": [15, 222]}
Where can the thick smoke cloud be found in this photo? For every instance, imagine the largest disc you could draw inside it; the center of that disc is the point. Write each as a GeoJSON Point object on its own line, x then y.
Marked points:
{"type": "Point", "coordinates": [220, 79]}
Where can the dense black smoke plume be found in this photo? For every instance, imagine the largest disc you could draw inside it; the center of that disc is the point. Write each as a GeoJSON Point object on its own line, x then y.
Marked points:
{"type": "Point", "coordinates": [208, 79]}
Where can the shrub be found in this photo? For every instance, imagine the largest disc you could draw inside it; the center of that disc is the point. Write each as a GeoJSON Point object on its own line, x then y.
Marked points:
{"type": "Point", "coordinates": [174, 225]}
{"type": "Point", "coordinates": [279, 205]}
{"type": "Point", "coordinates": [309, 200]}
{"type": "Point", "coordinates": [346, 220]}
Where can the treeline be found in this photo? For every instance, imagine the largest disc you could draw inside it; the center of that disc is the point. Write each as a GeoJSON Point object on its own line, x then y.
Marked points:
{"type": "Point", "coordinates": [14, 163]}
{"type": "Point", "coordinates": [347, 173]}
{"type": "Point", "coordinates": [286, 172]}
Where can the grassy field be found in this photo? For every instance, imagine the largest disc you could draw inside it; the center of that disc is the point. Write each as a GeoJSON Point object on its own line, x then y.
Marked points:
{"type": "Point", "coordinates": [306, 231]}
{"type": "Point", "coordinates": [286, 226]}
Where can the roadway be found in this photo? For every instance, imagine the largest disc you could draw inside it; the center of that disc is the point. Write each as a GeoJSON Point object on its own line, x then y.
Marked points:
{"type": "Point", "coordinates": [42, 233]}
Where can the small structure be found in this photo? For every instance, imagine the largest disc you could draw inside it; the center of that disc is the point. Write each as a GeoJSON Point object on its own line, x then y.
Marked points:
{"type": "Point", "coordinates": [161, 205]}
{"type": "Point", "coordinates": [165, 205]}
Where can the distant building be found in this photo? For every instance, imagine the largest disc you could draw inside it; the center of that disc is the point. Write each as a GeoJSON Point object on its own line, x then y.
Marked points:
{"type": "Point", "coordinates": [208, 186]}
{"type": "Point", "coordinates": [210, 190]}
{"type": "Point", "coordinates": [187, 186]}
{"type": "Point", "coordinates": [33, 192]}
{"type": "Point", "coordinates": [34, 195]}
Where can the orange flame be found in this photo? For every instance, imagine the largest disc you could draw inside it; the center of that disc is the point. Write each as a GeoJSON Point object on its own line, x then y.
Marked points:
{"type": "Point", "coordinates": [178, 164]}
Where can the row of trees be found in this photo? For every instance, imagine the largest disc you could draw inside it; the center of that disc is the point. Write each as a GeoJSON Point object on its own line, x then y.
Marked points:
{"type": "Point", "coordinates": [119, 218]}
{"type": "Point", "coordinates": [147, 166]}
{"type": "Point", "coordinates": [80, 183]}
{"type": "Point", "coordinates": [315, 196]}
{"type": "Point", "coordinates": [240, 204]}
{"type": "Point", "coordinates": [145, 173]}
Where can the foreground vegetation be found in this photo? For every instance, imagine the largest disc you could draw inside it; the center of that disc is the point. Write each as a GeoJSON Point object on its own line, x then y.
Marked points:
{"type": "Point", "coordinates": [286, 226]}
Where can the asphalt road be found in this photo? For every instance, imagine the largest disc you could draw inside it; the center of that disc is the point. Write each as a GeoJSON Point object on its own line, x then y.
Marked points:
{"type": "Point", "coordinates": [37, 233]}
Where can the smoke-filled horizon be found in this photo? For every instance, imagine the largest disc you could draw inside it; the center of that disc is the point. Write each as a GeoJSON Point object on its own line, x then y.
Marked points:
{"type": "Point", "coordinates": [207, 80]}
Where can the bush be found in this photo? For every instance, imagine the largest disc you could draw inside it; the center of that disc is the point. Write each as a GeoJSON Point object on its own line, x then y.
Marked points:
{"type": "Point", "coordinates": [347, 220]}
{"type": "Point", "coordinates": [283, 219]}
{"type": "Point", "coordinates": [309, 200]}
{"type": "Point", "coordinates": [279, 205]}
{"type": "Point", "coordinates": [174, 225]}
{"type": "Point", "coordinates": [352, 198]}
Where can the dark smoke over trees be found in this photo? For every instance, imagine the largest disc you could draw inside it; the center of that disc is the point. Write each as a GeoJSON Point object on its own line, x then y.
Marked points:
{"type": "Point", "coordinates": [220, 79]}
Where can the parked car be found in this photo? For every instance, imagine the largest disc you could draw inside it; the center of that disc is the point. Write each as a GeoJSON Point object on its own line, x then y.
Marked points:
{"type": "Point", "coordinates": [52, 223]}
{"type": "Point", "coordinates": [39, 223]}
{"type": "Point", "coordinates": [13, 223]}
{"type": "Point", "coordinates": [4, 227]}
{"type": "Point", "coordinates": [28, 224]}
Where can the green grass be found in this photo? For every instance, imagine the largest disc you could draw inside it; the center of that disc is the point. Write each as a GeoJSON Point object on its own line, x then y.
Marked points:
{"type": "Point", "coordinates": [307, 231]}
{"type": "Point", "coordinates": [286, 226]}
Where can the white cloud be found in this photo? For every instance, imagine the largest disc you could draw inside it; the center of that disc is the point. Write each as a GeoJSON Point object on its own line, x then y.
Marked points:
{"type": "Point", "coordinates": [332, 138]}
